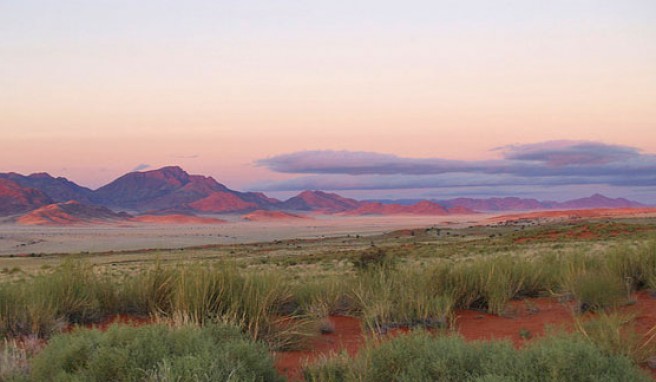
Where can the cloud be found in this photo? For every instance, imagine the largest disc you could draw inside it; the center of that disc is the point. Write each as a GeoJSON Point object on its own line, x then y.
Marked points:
{"type": "Point", "coordinates": [358, 163]}
{"type": "Point", "coordinates": [540, 164]}
{"type": "Point", "coordinates": [566, 153]}
{"type": "Point", "coordinates": [141, 167]}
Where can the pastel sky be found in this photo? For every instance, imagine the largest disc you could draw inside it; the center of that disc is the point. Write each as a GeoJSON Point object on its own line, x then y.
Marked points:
{"type": "Point", "coordinates": [547, 99]}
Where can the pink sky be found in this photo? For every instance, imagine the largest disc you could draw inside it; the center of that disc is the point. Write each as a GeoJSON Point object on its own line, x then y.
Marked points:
{"type": "Point", "coordinates": [91, 93]}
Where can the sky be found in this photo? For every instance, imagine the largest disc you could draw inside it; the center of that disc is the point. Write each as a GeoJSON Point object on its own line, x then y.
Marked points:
{"type": "Point", "coordinates": [372, 99]}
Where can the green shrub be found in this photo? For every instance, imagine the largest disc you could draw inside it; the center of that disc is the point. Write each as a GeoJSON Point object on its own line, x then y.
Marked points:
{"type": "Point", "coordinates": [423, 357]}
{"type": "Point", "coordinates": [154, 352]}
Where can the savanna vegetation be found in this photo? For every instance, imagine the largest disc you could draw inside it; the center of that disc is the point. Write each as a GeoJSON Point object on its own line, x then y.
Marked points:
{"type": "Point", "coordinates": [215, 313]}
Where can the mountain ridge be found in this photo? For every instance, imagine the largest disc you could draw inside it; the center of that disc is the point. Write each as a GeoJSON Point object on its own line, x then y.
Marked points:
{"type": "Point", "coordinates": [171, 189]}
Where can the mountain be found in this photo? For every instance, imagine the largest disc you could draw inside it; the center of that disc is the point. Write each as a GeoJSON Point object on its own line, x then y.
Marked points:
{"type": "Point", "coordinates": [16, 199]}
{"type": "Point", "coordinates": [424, 207]}
{"type": "Point", "coordinates": [498, 204]}
{"type": "Point", "coordinates": [71, 212]}
{"type": "Point", "coordinates": [164, 188]}
{"type": "Point", "coordinates": [518, 204]}
{"type": "Point", "coordinates": [222, 202]}
{"type": "Point", "coordinates": [598, 201]}
{"type": "Point", "coordinates": [319, 201]}
{"type": "Point", "coordinates": [58, 189]}
{"type": "Point", "coordinates": [171, 188]}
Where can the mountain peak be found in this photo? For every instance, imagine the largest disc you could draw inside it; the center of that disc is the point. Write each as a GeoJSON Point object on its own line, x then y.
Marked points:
{"type": "Point", "coordinates": [170, 173]}
{"type": "Point", "coordinates": [40, 175]}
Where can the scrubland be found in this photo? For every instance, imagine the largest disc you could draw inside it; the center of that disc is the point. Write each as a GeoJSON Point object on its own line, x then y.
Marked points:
{"type": "Point", "coordinates": [226, 312]}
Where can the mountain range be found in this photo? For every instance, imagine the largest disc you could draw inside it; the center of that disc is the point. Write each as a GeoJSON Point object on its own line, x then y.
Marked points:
{"type": "Point", "coordinates": [171, 190]}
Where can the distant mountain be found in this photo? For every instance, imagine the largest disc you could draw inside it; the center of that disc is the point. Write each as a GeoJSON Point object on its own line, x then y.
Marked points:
{"type": "Point", "coordinates": [71, 212]}
{"type": "Point", "coordinates": [518, 204]}
{"type": "Point", "coordinates": [598, 201]}
{"type": "Point", "coordinates": [171, 188]}
{"type": "Point", "coordinates": [58, 189]}
{"type": "Point", "coordinates": [164, 188]}
{"type": "Point", "coordinates": [424, 207]}
{"type": "Point", "coordinates": [498, 204]}
{"type": "Point", "coordinates": [16, 199]}
{"type": "Point", "coordinates": [319, 201]}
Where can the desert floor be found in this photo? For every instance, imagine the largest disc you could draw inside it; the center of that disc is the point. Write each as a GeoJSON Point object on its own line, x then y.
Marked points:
{"type": "Point", "coordinates": [25, 240]}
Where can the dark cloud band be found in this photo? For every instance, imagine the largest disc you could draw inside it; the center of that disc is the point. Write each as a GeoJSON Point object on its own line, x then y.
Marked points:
{"type": "Point", "coordinates": [547, 163]}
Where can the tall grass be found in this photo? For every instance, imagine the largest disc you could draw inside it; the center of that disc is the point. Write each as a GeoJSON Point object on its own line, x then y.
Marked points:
{"type": "Point", "coordinates": [200, 294]}
{"type": "Point", "coordinates": [615, 333]}
{"type": "Point", "coordinates": [71, 294]}
{"type": "Point", "coordinates": [269, 304]}
{"type": "Point", "coordinates": [401, 298]}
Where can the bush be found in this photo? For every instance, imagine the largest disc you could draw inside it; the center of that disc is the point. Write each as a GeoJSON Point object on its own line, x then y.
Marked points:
{"type": "Point", "coordinates": [154, 352]}
{"type": "Point", "coordinates": [374, 257]}
{"type": "Point", "coordinates": [423, 357]}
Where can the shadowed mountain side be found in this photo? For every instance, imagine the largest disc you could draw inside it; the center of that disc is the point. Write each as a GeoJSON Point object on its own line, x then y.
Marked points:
{"type": "Point", "coordinates": [16, 199]}
{"type": "Point", "coordinates": [71, 212]}
{"type": "Point", "coordinates": [171, 188]}
{"type": "Point", "coordinates": [58, 189]}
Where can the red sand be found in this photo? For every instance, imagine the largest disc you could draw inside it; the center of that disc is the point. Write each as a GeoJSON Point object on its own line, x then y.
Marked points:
{"type": "Point", "coordinates": [584, 232]}
{"type": "Point", "coordinates": [578, 214]}
{"type": "Point", "coordinates": [528, 317]}
{"type": "Point", "coordinates": [347, 336]}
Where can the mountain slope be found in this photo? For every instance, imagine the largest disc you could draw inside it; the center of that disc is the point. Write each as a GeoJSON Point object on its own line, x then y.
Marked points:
{"type": "Point", "coordinates": [520, 204]}
{"type": "Point", "coordinates": [424, 207]}
{"type": "Point", "coordinates": [319, 201]}
{"type": "Point", "coordinates": [498, 204]}
{"type": "Point", "coordinates": [58, 189]}
{"type": "Point", "coordinates": [16, 199]}
{"type": "Point", "coordinates": [171, 188]}
{"type": "Point", "coordinates": [71, 212]}
{"type": "Point", "coordinates": [598, 201]}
